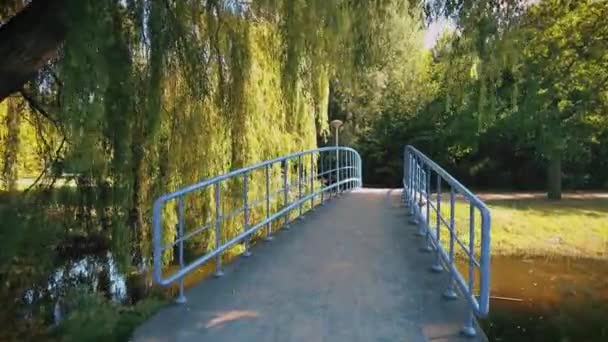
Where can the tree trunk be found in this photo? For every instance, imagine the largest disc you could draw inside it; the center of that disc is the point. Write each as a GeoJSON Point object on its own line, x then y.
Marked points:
{"type": "Point", "coordinates": [554, 176]}
{"type": "Point", "coordinates": [136, 220]}
{"type": "Point", "coordinates": [28, 41]}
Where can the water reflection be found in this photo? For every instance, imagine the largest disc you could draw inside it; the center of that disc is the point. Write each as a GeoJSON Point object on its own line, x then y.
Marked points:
{"type": "Point", "coordinates": [548, 299]}
{"type": "Point", "coordinates": [101, 273]}
{"type": "Point", "coordinates": [97, 273]}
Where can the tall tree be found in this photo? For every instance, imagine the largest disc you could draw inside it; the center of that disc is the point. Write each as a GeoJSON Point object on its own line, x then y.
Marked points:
{"type": "Point", "coordinates": [563, 78]}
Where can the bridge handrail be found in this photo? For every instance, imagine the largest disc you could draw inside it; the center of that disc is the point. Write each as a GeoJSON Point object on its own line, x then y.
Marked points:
{"type": "Point", "coordinates": [417, 174]}
{"type": "Point", "coordinates": [344, 172]}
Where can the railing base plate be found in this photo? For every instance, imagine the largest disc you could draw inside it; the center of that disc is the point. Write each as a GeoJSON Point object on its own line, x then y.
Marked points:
{"type": "Point", "coordinates": [426, 249]}
{"type": "Point", "coordinates": [181, 300]}
{"type": "Point", "coordinates": [450, 294]}
{"type": "Point", "coordinates": [468, 332]}
{"type": "Point", "coordinates": [436, 268]}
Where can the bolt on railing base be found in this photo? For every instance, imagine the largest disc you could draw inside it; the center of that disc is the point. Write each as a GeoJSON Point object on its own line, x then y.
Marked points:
{"type": "Point", "coordinates": [181, 299]}
{"type": "Point", "coordinates": [426, 249]}
{"type": "Point", "coordinates": [468, 331]}
{"type": "Point", "coordinates": [218, 274]}
{"type": "Point", "coordinates": [429, 245]}
{"type": "Point", "coordinates": [437, 268]}
{"type": "Point", "coordinates": [422, 230]}
{"type": "Point", "coordinates": [450, 294]}
{"type": "Point", "coordinates": [268, 238]}
{"type": "Point", "coordinates": [246, 254]}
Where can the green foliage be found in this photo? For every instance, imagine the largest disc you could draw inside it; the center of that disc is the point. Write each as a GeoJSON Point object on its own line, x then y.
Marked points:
{"type": "Point", "coordinates": [94, 318]}
{"type": "Point", "coordinates": [517, 88]}
{"type": "Point", "coordinates": [21, 150]}
{"type": "Point", "coordinates": [149, 96]}
{"type": "Point", "coordinates": [566, 78]}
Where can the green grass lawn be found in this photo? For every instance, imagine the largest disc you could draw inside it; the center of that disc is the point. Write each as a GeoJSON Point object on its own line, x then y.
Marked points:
{"type": "Point", "coordinates": [571, 227]}
{"type": "Point", "coordinates": [576, 226]}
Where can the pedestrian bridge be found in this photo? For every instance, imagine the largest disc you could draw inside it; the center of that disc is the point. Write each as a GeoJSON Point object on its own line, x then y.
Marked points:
{"type": "Point", "coordinates": [326, 260]}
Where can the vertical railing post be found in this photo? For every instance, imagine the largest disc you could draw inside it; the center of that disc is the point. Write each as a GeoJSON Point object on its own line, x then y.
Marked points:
{"type": "Point", "coordinates": [300, 180]}
{"type": "Point", "coordinates": [218, 232]}
{"type": "Point", "coordinates": [450, 292]}
{"type": "Point", "coordinates": [419, 188]}
{"type": "Point", "coordinates": [484, 254]}
{"type": "Point", "coordinates": [413, 180]}
{"type": "Point", "coordinates": [247, 252]}
{"type": "Point", "coordinates": [437, 263]}
{"type": "Point", "coordinates": [352, 169]}
{"type": "Point", "coordinates": [268, 225]}
{"type": "Point", "coordinates": [323, 185]}
{"type": "Point", "coordinates": [410, 182]}
{"type": "Point", "coordinates": [312, 181]}
{"type": "Point", "coordinates": [337, 171]}
{"type": "Point", "coordinates": [359, 171]}
{"type": "Point", "coordinates": [181, 298]}
{"type": "Point", "coordinates": [469, 325]}
{"type": "Point", "coordinates": [404, 177]}
{"type": "Point", "coordinates": [416, 183]}
{"type": "Point", "coordinates": [348, 170]}
{"type": "Point", "coordinates": [286, 192]}
{"type": "Point", "coordinates": [427, 225]}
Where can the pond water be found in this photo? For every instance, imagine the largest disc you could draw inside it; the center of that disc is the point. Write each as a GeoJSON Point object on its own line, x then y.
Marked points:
{"type": "Point", "coordinates": [548, 299]}
{"type": "Point", "coordinates": [97, 273]}
{"type": "Point", "coordinates": [533, 298]}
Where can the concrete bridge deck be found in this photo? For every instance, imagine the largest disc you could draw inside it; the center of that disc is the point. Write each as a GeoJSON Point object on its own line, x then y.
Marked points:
{"type": "Point", "coordinates": [350, 271]}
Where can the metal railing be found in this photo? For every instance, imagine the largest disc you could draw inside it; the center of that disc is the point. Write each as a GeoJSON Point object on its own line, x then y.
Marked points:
{"type": "Point", "coordinates": [424, 186]}
{"type": "Point", "coordinates": [318, 174]}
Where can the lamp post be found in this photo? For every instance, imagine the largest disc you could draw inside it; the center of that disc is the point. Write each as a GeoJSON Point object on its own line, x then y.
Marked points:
{"type": "Point", "coordinates": [336, 124]}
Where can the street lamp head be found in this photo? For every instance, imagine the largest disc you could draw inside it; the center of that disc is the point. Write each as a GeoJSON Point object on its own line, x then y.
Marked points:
{"type": "Point", "coordinates": [336, 124]}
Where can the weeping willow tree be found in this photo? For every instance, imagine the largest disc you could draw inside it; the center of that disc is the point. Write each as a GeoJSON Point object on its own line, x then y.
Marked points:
{"type": "Point", "coordinates": [158, 94]}
{"type": "Point", "coordinates": [483, 36]}
{"type": "Point", "coordinates": [146, 96]}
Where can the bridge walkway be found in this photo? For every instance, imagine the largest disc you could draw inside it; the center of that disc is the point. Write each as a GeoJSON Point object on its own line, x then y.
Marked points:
{"type": "Point", "coordinates": [352, 270]}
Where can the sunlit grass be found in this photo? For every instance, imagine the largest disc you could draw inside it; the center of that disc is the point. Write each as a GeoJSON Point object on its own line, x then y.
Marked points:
{"type": "Point", "coordinates": [570, 227]}
{"type": "Point", "coordinates": [576, 227]}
